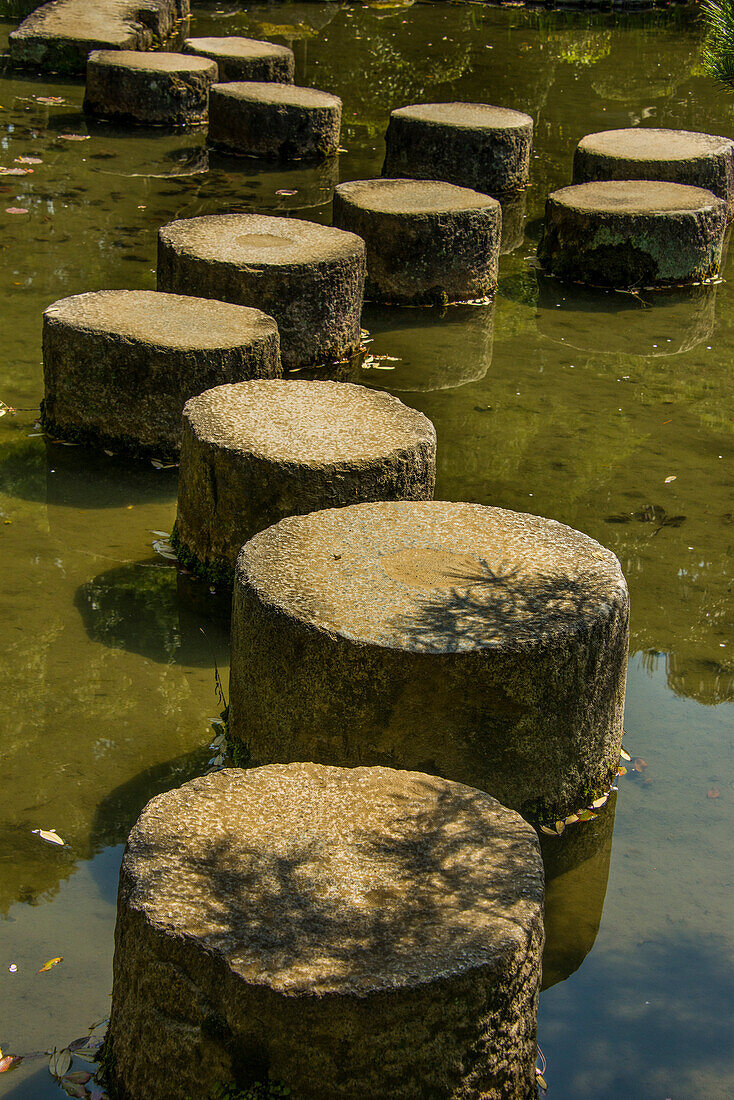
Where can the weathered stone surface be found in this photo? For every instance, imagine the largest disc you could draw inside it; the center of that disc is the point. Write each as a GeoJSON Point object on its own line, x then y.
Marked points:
{"type": "Point", "coordinates": [633, 233]}
{"type": "Point", "coordinates": [485, 645]}
{"type": "Point", "coordinates": [309, 277]}
{"type": "Point", "coordinates": [246, 58]}
{"type": "Point", "coordinates": [648, 153]}
{"type": "Point", "coordinates": [426, 241]}
{"type": "Point", "coordinates": [119, 365]}
{"type": "Point", "coordinates": [469, 144]}
{"type": "Point", "coordinates": [168, 88]}
{"type": "Point", "coordinates": [351, 933]}
{"type": "Point", "coordinates": [60, 36]}
{"type": "Point", "coordinates": [258, 451]}
{"type": "Point", "coordinates": [275, 121]}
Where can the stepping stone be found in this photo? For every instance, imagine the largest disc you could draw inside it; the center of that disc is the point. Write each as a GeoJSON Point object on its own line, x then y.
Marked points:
{"type": "Point", "coordinates": [275, 121]}
{"type": "Point", "coordinates": [647, 153]}
{"type": "Point", "coordinates": [119, 365]}
{"type": "Point", "coordinates": [469, 144]}
{"type": "Point", "coordinates": [488, 645]}
{"type": "Point", "coordinates": [255, 452]}
{"type": "Point", "coordinates": [346, 932]}
{"type": "Point", "coordinates": [59, 36]}
{"type": "Point", "coordinates": [246, 58]}
{"type": "Point", "coordinates": [633, 233]}
{"type": "Point", "coordinates": [309, 277]}
{"type": "Point", "coordinates": [152, 88]}
{"type": "Point", "coordinates": [427, 241]}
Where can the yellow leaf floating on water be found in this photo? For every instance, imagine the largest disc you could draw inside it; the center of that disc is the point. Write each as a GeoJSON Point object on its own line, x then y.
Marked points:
{"type": "Point", "coordinates": [50, 965]}
{"type": "Point", "coordinates": [671, 478]}
{"type": "Point", "coordinates": [625, 755]}
{"type": "Point", "coordinates": [9, 1062]}
{"type": "Point", "coordinates": [49, 835]}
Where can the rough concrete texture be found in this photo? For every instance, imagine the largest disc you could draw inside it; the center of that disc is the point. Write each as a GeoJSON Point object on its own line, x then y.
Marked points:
{"type": "Point", "coordinates": [154, 88]}
{"type": "Point", "coordinates": [484, 645]}
{"type": "Point", "coordinates": [258, 451]}
{"type": "Point", "coordinates": [633, 233]}
{"type": "Point", "coordinates": [469, 144]}
{"type": "Point", "coordinates": [309, 277]}
{"type": "Point", "coordinates": [427, 241]}
{"type": "Point", "coordinates": [351, 933]}
{"type": "Point", "coordinates": [119, 365]}
{"type": "Point", "coordinates": [60, 36]}
{"type": "Point", "coordinates": [647, 153]}
{"type": "Point", "coordinates": [246, 58]}
{"type": "Point", "coordinates": [275, 121]}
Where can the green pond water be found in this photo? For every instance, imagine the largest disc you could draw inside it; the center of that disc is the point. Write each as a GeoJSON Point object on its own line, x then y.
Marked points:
{"type": "Point", "coordinates": [571, 404]}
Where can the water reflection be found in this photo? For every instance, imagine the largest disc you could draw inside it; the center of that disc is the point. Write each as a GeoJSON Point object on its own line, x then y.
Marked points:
{"type": "Point", "coordinates": [514, 213]}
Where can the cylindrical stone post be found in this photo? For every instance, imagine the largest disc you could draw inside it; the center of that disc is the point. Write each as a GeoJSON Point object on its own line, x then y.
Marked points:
{"type": "Point", "coordinates": [427, 241]}
{"type": "Point", "coordinates": [346, 933]}
{"type": "Point", "coordinates": [648, 153]}
{"type": "Point", "coordinates": [309, 277]}
{"type": "Point", "coordinates": [484, 645]}
{"type": "Point", "coordinates": [258, 451]}
{"type": "Point", "coordinates": [149, 88]}
{"type": "Point", "coordinates": [245, 58]}
{"type": "Point", "coordinates": [119, 365]}
{"type": "Point", "coordinates": [274, 121]}
{"type": "Point", "coordinates": [469, 144]}
{"type": "Point", "coordinates": [633, 234]}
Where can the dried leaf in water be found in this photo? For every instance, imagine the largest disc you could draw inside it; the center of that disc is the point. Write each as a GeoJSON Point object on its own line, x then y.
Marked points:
{"type": "Point", "coordinates": [27, 160]}
{"type": "Point", "coordinates": [571, 819]}
{"type": "Point", "coordinates": [540, 1080]}
{"type": "Point", "coordinates": [15, 210]}
{"type": "Point", "coordinates": [560, 826]}
{"type": "Point", "coordinates": [625, 755]}
{"type": "Point", "coordinates": [50, 965]}
{"type": "Point", "coordinates": [49, 835]}
{"type": "Point", "coordinates": [15, 171]}
{"type": "Point", "coordinates": [71, 1089]}
{"type": "Point", "coordinates": [79, 1076]}
{"type": "Point", "coordinates": [547, 831]}
{"type": "Point", "coordinates": [285, 191]}
{"type": "Point", "coordinates": [640, 764]}
{"type": "Point", "coordinates": [599, 802]}
{"type": "Point", "coordinates": [52, 99]}
{"type": "Point", "coordinates": [671, 478]}
{"type": "Point", "coordinates": [74, 137]}
{"type": "Point", "coordinates": [621, 771]}
{"type": "Point", "coordinates": [587, 815]}
{"type": "Point", "coordinates": [10, 1061]}
{"type": "Point", "coordinates": [162, 534]}
{"type": "Point", "coordinates": [714, 793]}
{"type": "Point", "coordinates": [159, 465]}
{"type": "Point", "coordinates": [59, 1063]}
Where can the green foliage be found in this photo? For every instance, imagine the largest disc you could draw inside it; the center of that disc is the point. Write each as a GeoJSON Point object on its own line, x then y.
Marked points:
{"type": "Point", "coordinates": [718, 47]}
{"type": "Point", "coordinates": [259, 1091]}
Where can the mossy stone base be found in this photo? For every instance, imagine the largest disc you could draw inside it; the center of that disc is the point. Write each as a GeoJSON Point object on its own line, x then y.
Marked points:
{"type": "Point", "coordinates": [484, 645]}
{"type": "Point", "coordinates": [151, 89]}
{"type": "Point", "coordinates": [469, 144]}
{"type": "Point", "coordinates": [275, 121]}
{"type": "Point", "coordinates": [427, 241]}
{"type": "Point", "coordinates": [351, 933]}
{"type": "Point", "coordinates": [633, 233]}
{"type": "Point", "coordinates": [245, 58]}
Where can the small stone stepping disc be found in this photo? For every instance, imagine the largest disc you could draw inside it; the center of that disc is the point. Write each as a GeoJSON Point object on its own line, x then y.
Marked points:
{"type": "Point", "coordinates": [469, 144]}
{"type": "Point", "coordinates": [309, 277]}
{"type": "Point", "coordinates": [245, 58]}
{"type": "Point", "coordinates": [275, 121]}
{"type": "Point", "coordinates": [152, 88]}
{"type": "Point", "coordinates": [674, 156]}
{"type": "Point", "coordinates": [633, 233]}
{"type": "Point", "coordinates": [427, 241]}
{"type": "Point", "coordinates": [488, 645]}
{"type": "Point", "coordinates": [119, 365]}
{"type": "Point", "coordinates": [255, 452]}
{"type": "Point", "coordinates": [347, 932]}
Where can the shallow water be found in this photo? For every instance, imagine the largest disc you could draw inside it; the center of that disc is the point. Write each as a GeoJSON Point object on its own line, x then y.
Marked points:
{"type": "Point", "coordinates": [563, 402]}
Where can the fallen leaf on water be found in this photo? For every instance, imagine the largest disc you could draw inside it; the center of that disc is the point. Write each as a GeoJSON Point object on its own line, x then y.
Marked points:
{"type": "Point", "coordinates": [49, 835]}
{"type": "Point", "coordinates": [285, 191]}
{"type": "Point", "coordinates": [71, 1089]}
{"type": "Point", "coordinates": [6, 409]}
{"type": "Point", "coordinates": [162, 465]}
{"type": "Point", "coordinates": [625, 755]}
{"type": "Point", "coordinates": [15, 210]}
{"type": "Point", "coordinates": [714, 793]}
{"type": "Point", "coordinates": [640, 764]}
{"type": "Point", "coordinates": [16, 171]}
{"type": "Point", "coordinates": [540, 1080]}
{"type": "Point", "coordinates": [74, 137]}
{"type": "Point", "coordinates": [164, 548]}
{"type": "Point", "coordinates": [59, 1063]}
{"type": "Point", "coordinates": [587, 815]}
{"type": "Point", "coordinates": [27, 160]}
{"type": "Point", "coordinates": [671, 478]}
{"type": "Point", "coordinates": [10, 1061]}
{"type": "Point", "coordinates": [599, 802]}
{"type": "Point", "coordinates": [560, 826]}
{"type": "Point", "coordinates": [50, 99]}
{"type": "Point", "coordinates": [49, 966]}
{"type": "Point", "coordinates": [571, 819]}
{"type": "Point", "coordinates": [78, 1077]}
{"type": "Point", "coordinates": [547, 831]}
{"type": "Point", "coordinates": [90, 1051]}
{"type": "Point", "coordinates": [13, 968]}
{"type": "Point", "coordinates": [621, 771]}
{"type": "Point", "coordinates": [161, 534]}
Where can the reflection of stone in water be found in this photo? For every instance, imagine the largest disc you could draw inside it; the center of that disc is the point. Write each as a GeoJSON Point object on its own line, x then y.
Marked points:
{"type": "Point", "coordinates": [707, 681]}
{"type": "Point", "coordinates": [146, 152]}
{"type": "Point", "coordinates": [513, 222]}
{"type": "Point", "coordinates": [81, 478]}
{"type": "Point", "coordinates": [435, 349]}
{"type": "Point", "coordinates": [657, 323]}
{"type": "Point", "coordinates": [576, 874]}
{"type": "Point", "coordinates": [257, 183]}
{"type": "Point", "coordinates": [136, 608]}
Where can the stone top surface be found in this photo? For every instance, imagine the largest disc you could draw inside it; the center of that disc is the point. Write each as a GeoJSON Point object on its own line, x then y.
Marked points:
{"type": "Point", "coordinates": [154, 62]}
{"type": "Point", "coordinates": [647, 143]}
{"type": "Point", "coordinates": [166, 320]}
{"type": "Point", "coordinates": [235, 47]}
{"type": "Point", "coordinates": [307, 423]}
{"type": "Point", "coordinates": [634, 197]}
{"type": "Point", "coordinates": [78, 19]}
{"type": "Point", "coordinates": [433, 577]}
{"type": "Point", "coordinates": [279, 95]}
{"type": "Point", "coordinates": [473, 116]}
{"type": "Point", "coordinates": [320, 880]}
{"type": "Point", "coordinates": [248, 239]}
{"type": "Point", "coordinates": [386, 196]}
